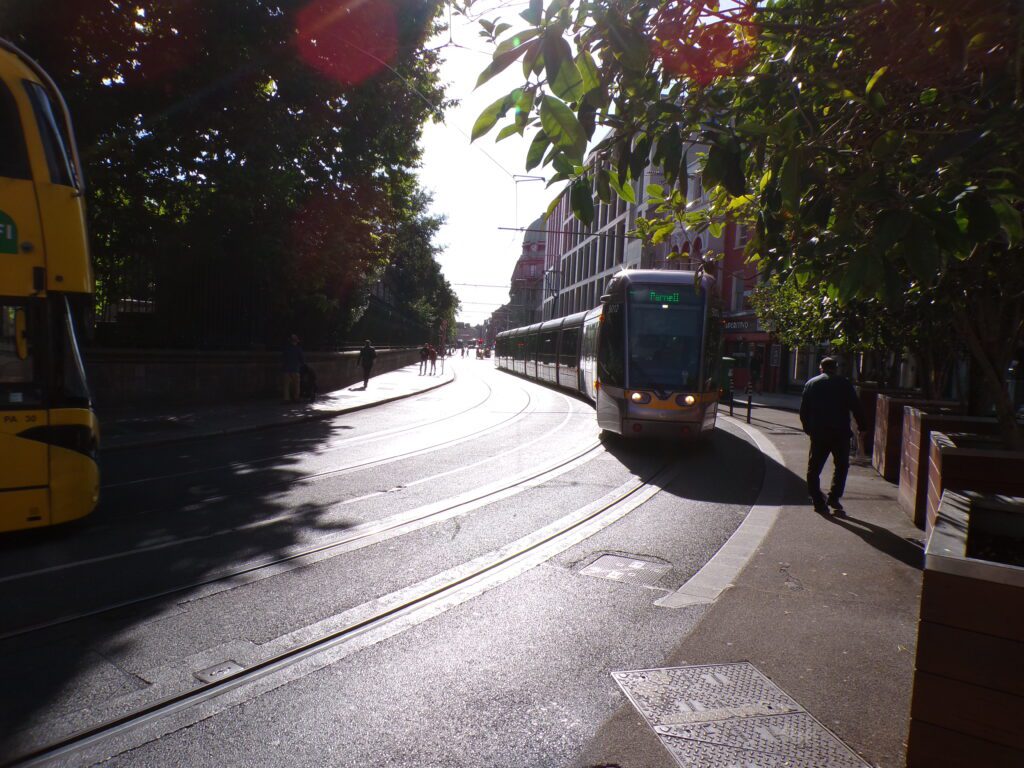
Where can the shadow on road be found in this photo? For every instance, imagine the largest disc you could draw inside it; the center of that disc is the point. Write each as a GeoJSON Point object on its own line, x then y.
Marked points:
{"type": "Point", "coordinates": [145, 538]}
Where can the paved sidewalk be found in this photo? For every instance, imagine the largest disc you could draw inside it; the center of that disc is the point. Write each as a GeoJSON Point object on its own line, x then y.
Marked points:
{"type": "Point", "coordinates": [122, 428]}
{"type": "Point", "coordinates": [826, 608]}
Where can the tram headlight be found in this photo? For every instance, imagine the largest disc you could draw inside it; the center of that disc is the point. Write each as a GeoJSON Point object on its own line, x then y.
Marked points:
{"type": "Point", "coordinates": [686, 400]}
{"type": "Point", "coordinates": [640, 398]}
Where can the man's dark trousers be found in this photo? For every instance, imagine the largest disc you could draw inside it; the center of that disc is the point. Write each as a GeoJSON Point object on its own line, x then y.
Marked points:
{"type": "Point", "coordinates": [821, 447]}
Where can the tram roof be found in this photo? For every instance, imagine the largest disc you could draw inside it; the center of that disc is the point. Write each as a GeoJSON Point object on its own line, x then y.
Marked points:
{"type": "Point", "coordinates": [622, 280]}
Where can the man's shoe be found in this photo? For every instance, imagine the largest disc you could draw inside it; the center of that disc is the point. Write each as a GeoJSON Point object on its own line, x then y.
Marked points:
{"type": "Point", "coordinates": [820, 506]}
{"type": "Point", "coordinates": [833, 502]}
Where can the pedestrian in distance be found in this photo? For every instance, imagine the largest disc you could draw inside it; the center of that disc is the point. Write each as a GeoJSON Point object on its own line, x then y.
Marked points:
{"type": "Point", "coordinates": [825, 409]}
{"type": "Point", "coordinates": [292, 362]}
{"type": "Point", "coordinates": [433, 358]}
{"type": "Point", "coordinates": [424, 354]}
{"type": "Point", "coordinates": [366, 357]}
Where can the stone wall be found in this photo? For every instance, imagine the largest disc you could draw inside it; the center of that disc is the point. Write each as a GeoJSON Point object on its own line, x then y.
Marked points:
{"type": "Point", "coordinates": [172, 377]}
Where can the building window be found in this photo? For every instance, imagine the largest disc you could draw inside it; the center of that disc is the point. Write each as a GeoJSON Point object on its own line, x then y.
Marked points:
{"type": "Point", "coordinates": [738, 286]}
{"type": "Point", "coordinates": [742, 235]}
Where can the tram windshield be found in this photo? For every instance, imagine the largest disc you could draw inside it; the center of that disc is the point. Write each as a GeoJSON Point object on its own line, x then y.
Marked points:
{"type": "Point", "coordinates": [665, 329]}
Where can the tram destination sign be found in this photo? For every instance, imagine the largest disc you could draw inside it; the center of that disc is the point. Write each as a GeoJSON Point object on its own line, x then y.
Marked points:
{"type": "Point", "coordinates": [664, 298]}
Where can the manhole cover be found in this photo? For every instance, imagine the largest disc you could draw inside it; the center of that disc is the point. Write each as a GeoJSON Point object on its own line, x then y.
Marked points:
{"type": "Point", "coordinates": [627, 570]}
{"type": "Point", "coordinates": [218, 671]}
{"type": "Point", "coordinates": [730, 714]}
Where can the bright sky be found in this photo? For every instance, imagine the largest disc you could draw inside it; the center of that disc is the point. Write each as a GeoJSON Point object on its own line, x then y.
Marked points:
{"type": "Point", "coordinates": [475, 192]}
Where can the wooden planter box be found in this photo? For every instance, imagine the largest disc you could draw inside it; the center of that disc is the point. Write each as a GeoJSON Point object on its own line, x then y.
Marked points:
{"type": "Point", "coordinates": [968, 698]}
{"type": "Point", "coordinates": [888, 442]}
{"type": "Point", "coordinates": [868, 393]}
{"type": "Point", "coordinates": [970, 462]}
{"type": "Point", "coordinates": [916, 432]}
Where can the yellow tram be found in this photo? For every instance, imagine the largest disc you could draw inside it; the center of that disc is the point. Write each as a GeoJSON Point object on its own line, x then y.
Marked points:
{"type": "Point", "coordinates": [48, 431]}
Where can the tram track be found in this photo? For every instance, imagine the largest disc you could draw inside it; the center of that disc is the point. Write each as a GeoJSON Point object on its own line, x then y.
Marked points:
{"type": "Point", "coordinates": [330, 446]}
{"type": "Point", "coordinates": [356, 538]}
{"type": "Point", "coordinates": [356, 628]}
{"type": "Point", "coordinates": [288, 515]}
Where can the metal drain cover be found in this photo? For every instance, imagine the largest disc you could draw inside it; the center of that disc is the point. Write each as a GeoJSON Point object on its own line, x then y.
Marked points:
{"type": "Point", "coordinates": [627, 570]}
{"type": "Point", "coordinates": [731, 715]}
{"type": "Point", "coordinates": [218, 671]}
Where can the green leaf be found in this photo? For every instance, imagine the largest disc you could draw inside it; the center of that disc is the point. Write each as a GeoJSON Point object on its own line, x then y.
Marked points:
{"type": "Point", "coordinates": [501, 61]}
{"type": "Point", "coordinates": [751, 128]}
{"type": "Point", "coordinates": [490, 116]}
{"type": "Point", "coordinates": [929, 96]}
{"type": "Point", "coordinates": [588, 71]}
{"type": "Point", "coordinates": [663, 230]}
{"type": "Point", "coordinates": [625, 191]}
{"type": "Point", "coordinates": [562, 164]}
{"type": "Point", "coordinates": [655, 191]}
{"type": "Point", "coordinates": [1009, 220]}
{"type": "Point", "coordinates": [640, 157]}
{"type": "Point", "coordinates": [561, 125]}
{"type": "Point", "coordinates": [802, 274]}
{"type": "Point", "coordinates": [536, 151]}
{"type": "Point", "coordinates": [982, 221]}
{"type": "Point", "coordinates": [604, 191]}
{"type": "Point", "coordinates": [716, 227]}
{"type": "Point", "coordinates": [874, 79]}
{"type": "Point", "coordinates": [532, 59]}
{"type": "Point", "coordinates": [564, 78]}
{"type": "Point", "coordinates": [789, 182]}
{"type": "Point", "coordinates": [628, 45]}
{"type": "Point", "coordinates": [885, 146]}
{"type": "Point", "coordinates": [507, 131]}
{"type": "Point", "coordinates": [552, 205]}
{"type": "Point", "coordinates": [864, 275]}
{"type": "Point", "coordinates": [581, 200]}
{"type": "Point", "coordinates": [534, 14]}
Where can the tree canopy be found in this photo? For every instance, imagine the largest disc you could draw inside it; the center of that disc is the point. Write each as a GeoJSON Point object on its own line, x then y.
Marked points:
{"type": "Point", "coordinates": [250, 162]}
{"type": "Point", "coordinates": [875, 147]}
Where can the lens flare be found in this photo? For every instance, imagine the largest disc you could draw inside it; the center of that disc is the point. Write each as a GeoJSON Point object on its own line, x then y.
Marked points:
{"type": "Point", "coordinates": [347, 40]}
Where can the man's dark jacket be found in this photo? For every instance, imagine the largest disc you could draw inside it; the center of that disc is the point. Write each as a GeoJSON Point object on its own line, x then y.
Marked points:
{"type": "Point", "coordinates": [826, 406]}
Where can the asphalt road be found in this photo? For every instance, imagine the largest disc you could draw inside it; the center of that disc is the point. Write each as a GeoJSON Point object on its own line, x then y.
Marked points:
{"type": "Point", "coordinates": [239, 548]}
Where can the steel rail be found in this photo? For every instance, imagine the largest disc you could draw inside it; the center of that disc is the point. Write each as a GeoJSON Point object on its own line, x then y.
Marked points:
{"type": "Point", "coordinates": [124, 553]}
{"type": "Point", "coordinates": [369, 531]}
{"type": "Point", "coordinates": [334, 445]}
{"type": "Point", "coordinates": [66, 747]}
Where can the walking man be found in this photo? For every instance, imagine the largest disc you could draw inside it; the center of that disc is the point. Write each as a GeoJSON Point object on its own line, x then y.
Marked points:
{"type": "Point", "coordinates": [825, 409]}
{"type": "Point", "coordinates": [292, 361]}
{"type": "Point", "coordinates": [424, 354]}
{"type": "Point", "coordinates": [366, 357]}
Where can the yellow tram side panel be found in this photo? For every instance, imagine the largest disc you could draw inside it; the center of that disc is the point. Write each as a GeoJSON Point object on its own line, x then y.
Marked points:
{"type": "Point", "coordinates": [49, 220]}
{"type": "Point", "coordinates": [74, 476]}
{"type": "Point", "coordinates": [24, 472]}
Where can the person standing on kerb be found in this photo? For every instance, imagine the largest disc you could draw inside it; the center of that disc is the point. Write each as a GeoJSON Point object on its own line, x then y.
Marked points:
{"type": "Point", "coordinates": [825, 409]}
{"type": "Point", "coordinates": [366, 357]}
{"type": "Point", "coordinates": [292, 361]}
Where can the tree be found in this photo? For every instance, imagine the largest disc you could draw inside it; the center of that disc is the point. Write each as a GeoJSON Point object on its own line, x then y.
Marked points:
{"type": "Point", "coordinates": [808, 315]}
{"type": "Point", "coordinates": [249, 162]}
{"type": "Point", "coordinates": [875, 146]}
